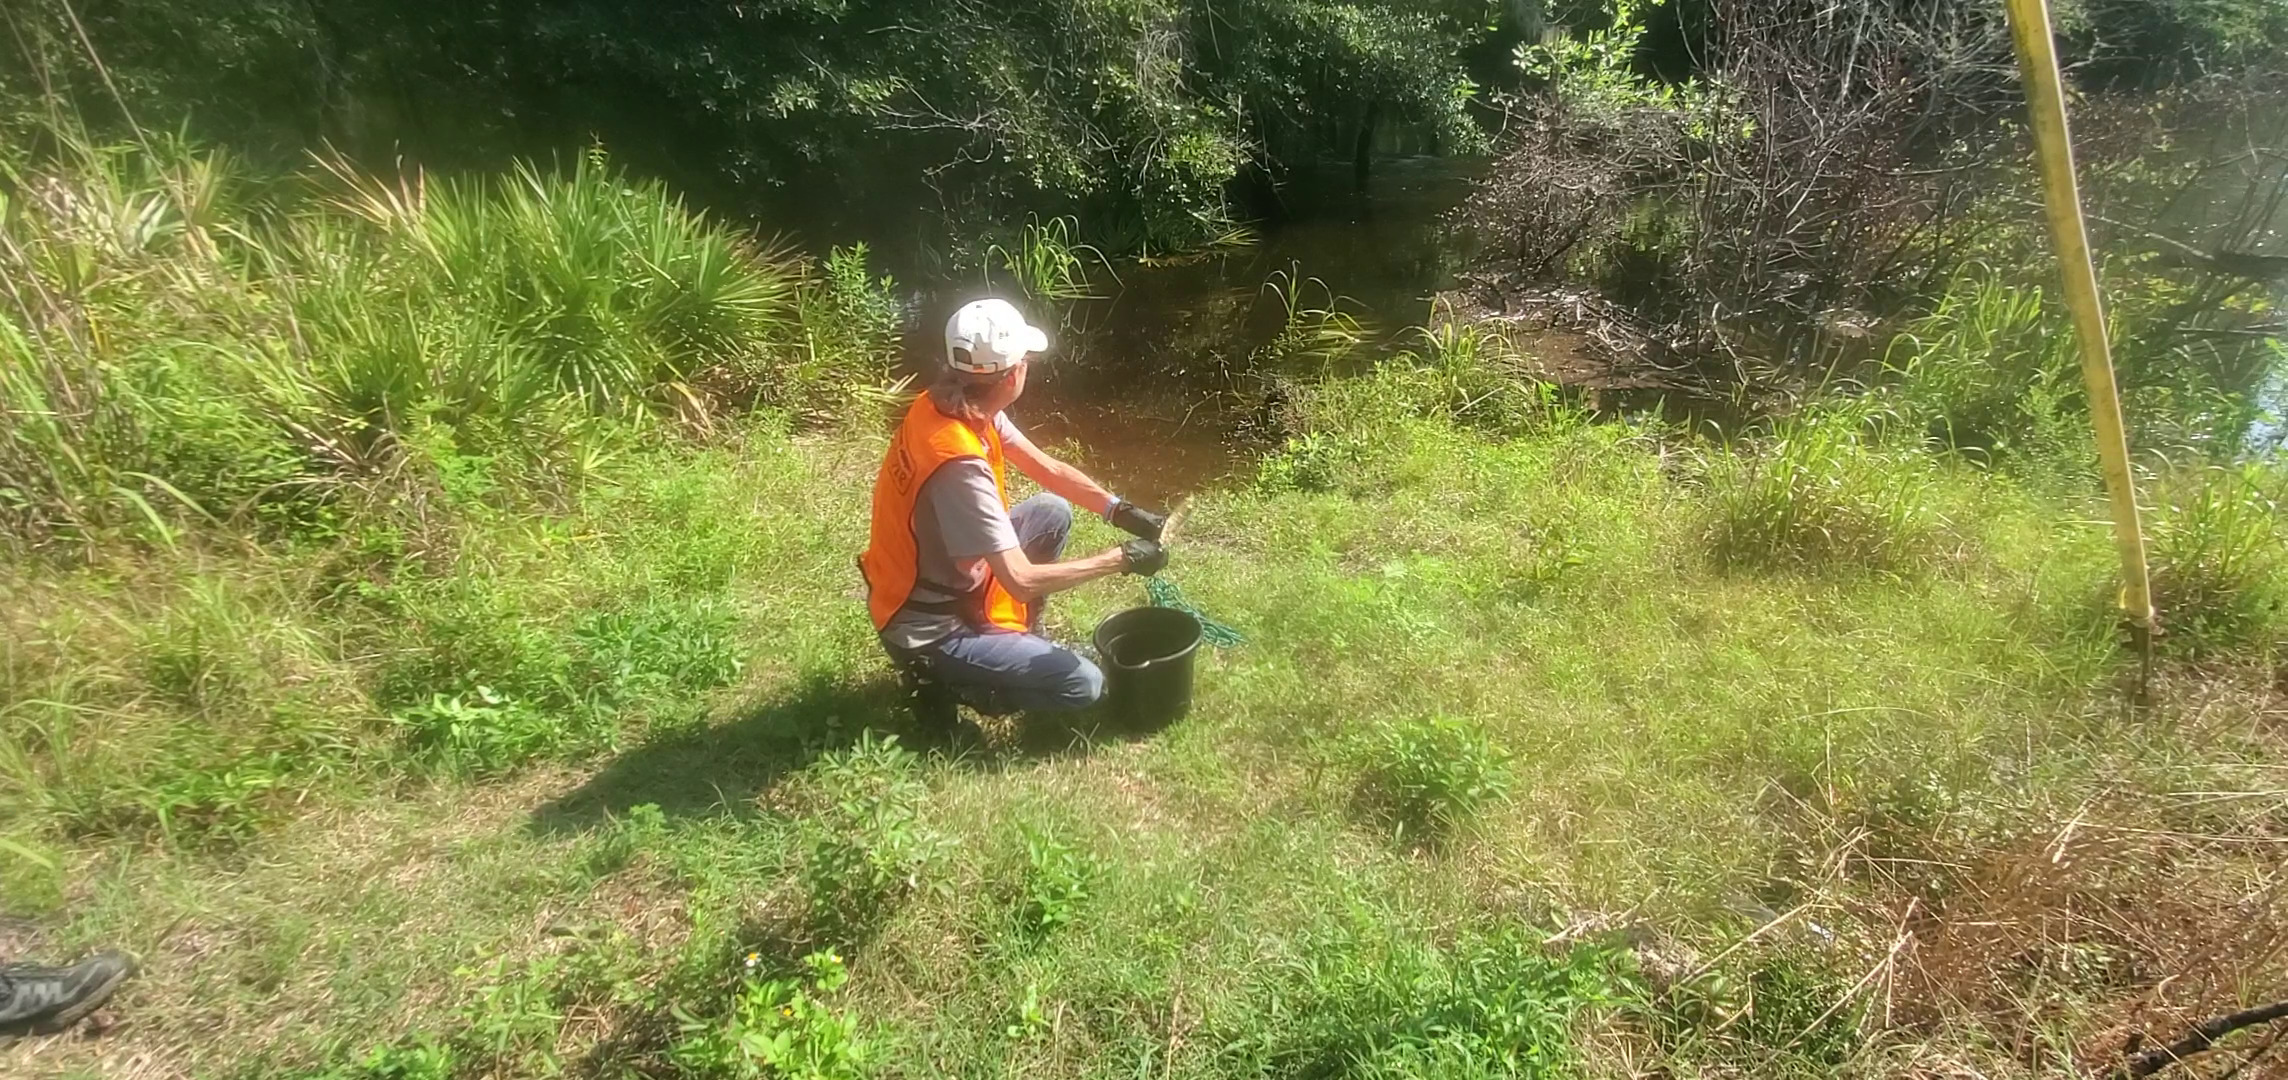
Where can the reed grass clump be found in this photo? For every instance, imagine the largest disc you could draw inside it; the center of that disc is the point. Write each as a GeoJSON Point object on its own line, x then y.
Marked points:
{"type": "Point", "coordinates": [1820, 490]}
{"type": "Point", "coordinates": [1991, 369]}
{"type": "Point", "coordinates": [1048, 261]}
{"type": "Point", "coordinates": [2219, 555]}
{"type": "Point", "coordinates": [182, 342]}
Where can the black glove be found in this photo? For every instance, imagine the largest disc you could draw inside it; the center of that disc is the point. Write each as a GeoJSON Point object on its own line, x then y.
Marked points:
{"type": "Point", "coordinates": [1145, 557]}
{"type": "Point", "coordinates": [1137, 521]}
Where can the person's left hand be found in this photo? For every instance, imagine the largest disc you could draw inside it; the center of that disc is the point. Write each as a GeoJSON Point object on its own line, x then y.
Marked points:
{"type": "Point", "coordinates": [1137, 521]}
{"type": "Point", "coordinates": [1143, 558]}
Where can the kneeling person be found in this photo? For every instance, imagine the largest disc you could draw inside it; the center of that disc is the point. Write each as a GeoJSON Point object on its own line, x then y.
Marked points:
{"type": "Point", "coordinates": [956, 578]}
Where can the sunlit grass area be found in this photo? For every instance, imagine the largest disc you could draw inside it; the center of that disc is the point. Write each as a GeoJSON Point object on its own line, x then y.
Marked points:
{"type": "Point", "coordinates": [429, 638]}
{"type": "Point", "coordinates": [1512, 760]}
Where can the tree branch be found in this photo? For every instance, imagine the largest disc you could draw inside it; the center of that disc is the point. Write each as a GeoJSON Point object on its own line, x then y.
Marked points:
{"type": "Point", "coordinates": [2202, 1040]}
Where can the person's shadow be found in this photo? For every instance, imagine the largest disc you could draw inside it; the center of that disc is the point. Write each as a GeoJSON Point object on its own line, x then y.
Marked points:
{"type": "Point", "coordinates": [720, 769]}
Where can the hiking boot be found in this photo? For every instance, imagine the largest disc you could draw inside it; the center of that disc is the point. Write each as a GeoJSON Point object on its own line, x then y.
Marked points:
{"type": "Point", "coordinates": [936, 710]}
{"type": "Point", "coordinates": [39, 1000]}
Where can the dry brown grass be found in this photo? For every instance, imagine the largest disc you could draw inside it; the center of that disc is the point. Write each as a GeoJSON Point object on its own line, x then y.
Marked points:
{"type": "Point", "coordinates": [2122, 924]}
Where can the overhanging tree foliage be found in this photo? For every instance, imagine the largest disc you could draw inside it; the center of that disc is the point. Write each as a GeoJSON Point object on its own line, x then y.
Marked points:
{"type": "Point", "coordinates": [1137, 114]}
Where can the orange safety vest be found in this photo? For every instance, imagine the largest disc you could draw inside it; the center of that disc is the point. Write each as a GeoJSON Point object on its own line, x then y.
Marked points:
{"type": "Point", "coordinates": [926, 440]}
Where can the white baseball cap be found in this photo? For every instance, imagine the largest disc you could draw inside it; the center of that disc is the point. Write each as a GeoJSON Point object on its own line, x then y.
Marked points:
{"type": "Point", "coordinates": [994, 335]}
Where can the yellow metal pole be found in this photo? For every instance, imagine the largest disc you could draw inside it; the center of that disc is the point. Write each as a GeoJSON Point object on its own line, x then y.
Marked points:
{"type": "Point", "coordinates": [2045, 93]}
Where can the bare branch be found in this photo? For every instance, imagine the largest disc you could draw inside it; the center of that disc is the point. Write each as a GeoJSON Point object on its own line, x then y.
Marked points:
{"type": "Point", "coordinates": [2202, 1040]}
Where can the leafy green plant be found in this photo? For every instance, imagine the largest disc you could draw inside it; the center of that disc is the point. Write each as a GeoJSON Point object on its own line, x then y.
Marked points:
{"type": "Point", "coordinates": [866, 844]}
{"type": "Point", "coordinates": [1030, 1019]}
{"type": "Point", "coordinates": [656, 649]}
{"type": "Point", "coordinates": [868, 305]}
{"type": "Point", "coordinates": [1184, 184]}
{"type": "Point", "coordinates": [1055, 884]}
{"type": "Point", "coordinates": [849, 341]}
{"type": "Point", "coordinates": [1428, 775]}
{"type": "Point", "coordinates": [2219, 557]}
{"type": "Point", "coordinates": [778, 1028]}
{"type": "Point", "coordinates": [1314, 461]}
{"type": "Point", "coordinates": [1492, 1006]}
{"type": "Point", "coordinates": [414, 1059]}
{"type": "Point", "coordinates": [1818, 491]}
{"type": "Point", "coordinates": [644, 828]}
{"type": "Point", "coordinates": [216, 804]}
{"type": "Point", "coordinates": [482, 733]}
{"type": "Point", "coordinates": [1597, 71]}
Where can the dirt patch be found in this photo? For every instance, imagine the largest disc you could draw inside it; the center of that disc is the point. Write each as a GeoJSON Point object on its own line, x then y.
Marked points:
{"type": "Point", "coordinates": [2021, 941]}
{"type": "Point", "coordinates": [20, 941]}
{"type": "Point", "coordinates": [2100, 940]}
{"type": "Point", "coordinates": [2121, 926]}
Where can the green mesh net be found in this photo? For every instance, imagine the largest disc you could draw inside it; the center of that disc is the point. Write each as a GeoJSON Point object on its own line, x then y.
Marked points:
{"type": "Point", "coordinates": [1164, 593]}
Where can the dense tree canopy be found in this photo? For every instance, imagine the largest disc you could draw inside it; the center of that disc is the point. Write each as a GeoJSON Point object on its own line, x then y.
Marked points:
{"type": "Point", "coordinates": [1137, 113]}
{"type": "Point", "coordinates": [1142, 116]}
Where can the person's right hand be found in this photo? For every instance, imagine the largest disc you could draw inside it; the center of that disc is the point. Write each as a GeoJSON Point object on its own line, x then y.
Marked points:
{"type": "Point", "coordinates": [1144, 558]}
{"type": "Point", "coordinates": [1136, 521]}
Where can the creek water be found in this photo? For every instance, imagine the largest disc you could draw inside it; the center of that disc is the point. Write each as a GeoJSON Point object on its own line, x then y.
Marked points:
{"type": "Point", "coordinates": [1152, 384]}
{"type": "Point", "coordinates": [1155, 384]}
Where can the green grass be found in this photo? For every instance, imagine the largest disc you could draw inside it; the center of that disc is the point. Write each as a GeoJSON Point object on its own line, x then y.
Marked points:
{"type": "Point", "coordinates": [2220, 560]}
{"type": "Point", "coordinates": [1635, 737]}
{"type": "Point", "coordinates": [1993, 370]}
{"type": "Point", "coordinates": [1427, 776]}
{"type": "Point", "coordinates": [1820, 490]}
{"type": "Point", "coordinates": [183, 343]}
{"type": "Point", "coordinates": [1558, 748]}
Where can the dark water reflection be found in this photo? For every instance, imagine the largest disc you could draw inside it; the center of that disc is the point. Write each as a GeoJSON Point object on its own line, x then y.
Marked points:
{"type": "Point", "coordinates": [1151, 384]}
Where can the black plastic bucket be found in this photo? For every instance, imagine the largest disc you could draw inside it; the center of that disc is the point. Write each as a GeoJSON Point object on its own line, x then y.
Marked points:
{"type": "Point", "coordinates": [1147, 654]}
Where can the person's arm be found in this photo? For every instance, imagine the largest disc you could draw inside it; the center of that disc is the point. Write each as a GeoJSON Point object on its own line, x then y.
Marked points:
{"type": "Point", "coordinates": [1029, 581]}
{"type": "Point", "coordinates": [970, 519]}
{"type": "Point", "coordinates": [1055, 476]}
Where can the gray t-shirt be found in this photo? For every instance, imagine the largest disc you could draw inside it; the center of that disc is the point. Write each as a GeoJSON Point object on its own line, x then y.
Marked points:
{"type": "Point", "coordinates": [958, 520]}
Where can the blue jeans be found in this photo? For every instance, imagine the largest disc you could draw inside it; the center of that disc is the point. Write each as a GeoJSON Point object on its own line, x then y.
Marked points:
{"type": "Point", "coordinates": [1000, 671]}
